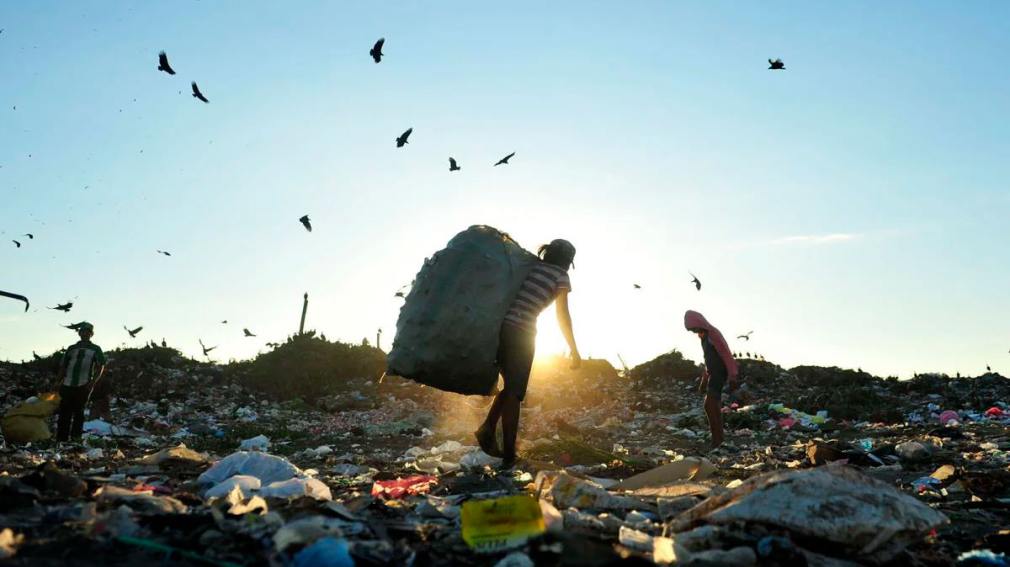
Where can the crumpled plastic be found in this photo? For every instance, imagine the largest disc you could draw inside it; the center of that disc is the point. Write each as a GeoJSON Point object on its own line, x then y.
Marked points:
{"type": "Point", "coordinates": [411, 485]}
{"type": "Point", "coordinates": [267, 468]}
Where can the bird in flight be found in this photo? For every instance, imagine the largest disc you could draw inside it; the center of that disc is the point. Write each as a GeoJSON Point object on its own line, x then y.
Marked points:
{"type": "Point", "coordinates": [776, 65]}
{"type": "Point", "coordinates": [696, 281]}
{"type": "Point", "coordinates": [29, 235]}
{"type": "Point", "coordinates": [247, 333]}
{"type": "Point", "coordinates": [225, 322]}
{"type": "Point", "coordinates": [163, 252]}
{"type": "Point", "coordinates": [16, 296]}
{"type": "Point", "coordinates": [16, 243]}
{"type": "Point", "coordinates": [306, 223]}
{"type": "Point", "coordinates": [453, 166]}
{"type": "Point", "coordinates": [402, 139]}
{"type": "Point", "coordinates": [64, 307]}
{"type": "Point", "coordinates": [133, 333]}
{"type": "Point", "coordinates": [163, 64]}
{"type": "Point", "coordinates": [376, 50]}
{"type": "Point", "coordinates": [745, 336]}
{"type": "Point", "coordinates": [197, 94]}
{"type": "Point", "coordinates": [206, 349]}
{"type": "Point", "coordinates": [987, 368]}
{"type": "Point", "coordinates": [505, 160]}
{"type": "Point", "coordinates": [75, 326]}
{"type": "Point", "coordinates": [398, 294]}
{"type": "Point", "coordinates": [637, 286]}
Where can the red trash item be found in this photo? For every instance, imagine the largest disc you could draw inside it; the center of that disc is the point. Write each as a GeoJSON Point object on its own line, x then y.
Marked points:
{"type": "Point", "coordinates": [994, 412]}
{"type": "Point", "coordinates": [948, 416]}
{"type": "Point", "coordinates": [412, 485]}
{"type": "Point", "coordinates": [787, 422]}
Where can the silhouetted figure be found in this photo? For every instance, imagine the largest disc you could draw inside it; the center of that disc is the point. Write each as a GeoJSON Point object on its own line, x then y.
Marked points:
{"type": "Point", "coordinates": [16, 243]}
{"type": "Point", "coordinates": [306, 223]}
{"type": "Point", "coordinates": [273, 345]}
{"type": "Point", "coordinates": [636, 286]}
{"type": "Point", "coordinates": [453, 166]}
{"type": "Point", "coordinates": [75, 326]}
{"type": "Point", "coordinates": [401, 140]}
{"type": "Point", "coordinates": [197, 94]}
{"type": "Point", "coordinates": [747, 354]}
{"type": "Point", "coordinates": [163, 64]}
{"type": "Point", "coordinates": [35, 356]}
{"type": "Point", "coordinates": [29, 235]}
{"type": "Point", "coordinates": [17, 297]}
{"type": "Point", "coordinates": [745, 336]}
{"type": "Point", "coordinates": [398, 294]}
{"type": "Point", "coordinates": [163, 252]}
{"type": "Point", "coordinates": [695, 281]}
{"type": "Point", "coordinates": [376, 50]}
{"type": "Point", "coordinates": [987, 368]}
{"type": "Point", "coordinates": [206, 349]}
{"type": "Point", "coordinates": [133, 333]}
{"type": "Point", "coordinates": [547, 282]}
{"type": "Point", "coordinates": [225, 322]}
{"type": "Point", "coordinates": [247, 333]}
{"type": "Point", "coordinates": [163, 343]}
{"type": "Point", "coordinates": [82, 366]}
{"type": "Point", "coordinates": [64, 307]}
{"type": "Point", "coordinates": [505, 160]}
{"type": "Point", "coordinates": [777, 65]}
{"type": "Point", "coordinates": [720, 367]}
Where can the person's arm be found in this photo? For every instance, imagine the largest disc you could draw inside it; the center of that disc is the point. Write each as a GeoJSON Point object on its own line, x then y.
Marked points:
{"type": "Point", "coordinates": [565, 322]}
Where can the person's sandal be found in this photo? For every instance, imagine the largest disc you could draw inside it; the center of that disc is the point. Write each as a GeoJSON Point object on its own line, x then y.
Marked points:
{"type": "Point", "coordinates": [487, 442]}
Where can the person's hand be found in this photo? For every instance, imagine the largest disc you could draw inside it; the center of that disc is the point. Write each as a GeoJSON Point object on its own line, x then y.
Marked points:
{"type": "Point", "coordinates": [703, 384]}
{"type": "Point", "coordinates": [576, 360]}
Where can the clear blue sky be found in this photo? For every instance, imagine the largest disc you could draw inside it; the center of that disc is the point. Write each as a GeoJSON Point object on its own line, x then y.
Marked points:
{"type": "Point", "coordinates": [850, 210]}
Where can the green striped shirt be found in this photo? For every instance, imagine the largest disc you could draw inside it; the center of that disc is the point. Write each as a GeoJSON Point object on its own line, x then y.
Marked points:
{"type": "Point", "coordinates": [80, 361]}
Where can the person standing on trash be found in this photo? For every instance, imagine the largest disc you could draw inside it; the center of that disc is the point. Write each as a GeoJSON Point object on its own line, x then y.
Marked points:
{"type": "Point", "coordinates": [548, 281]}
{"type": "Point", "coordinates": [82, 366]}
{"type": "Point", "coordinates": [720, 367]}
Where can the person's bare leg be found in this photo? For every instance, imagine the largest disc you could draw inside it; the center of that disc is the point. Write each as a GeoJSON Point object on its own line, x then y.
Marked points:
{"type": "Point", "coordinates": [486, 433]}
{"type": "Point", "coordinates": [510, 427]}
{"type": "Point", "coordinates": [713, 410]}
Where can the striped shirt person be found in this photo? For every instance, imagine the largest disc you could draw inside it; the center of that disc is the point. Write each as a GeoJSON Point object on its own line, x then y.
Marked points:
{"type": "Point", "coordinates": [82, 366]}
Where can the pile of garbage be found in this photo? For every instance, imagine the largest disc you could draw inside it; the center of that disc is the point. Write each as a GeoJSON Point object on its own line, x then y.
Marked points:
{"type": "Point", "coordinates": [204, 467]}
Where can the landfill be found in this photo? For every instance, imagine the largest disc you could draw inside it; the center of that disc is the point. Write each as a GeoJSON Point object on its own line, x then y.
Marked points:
{"type": "Point", "coordinates": [205, 464]}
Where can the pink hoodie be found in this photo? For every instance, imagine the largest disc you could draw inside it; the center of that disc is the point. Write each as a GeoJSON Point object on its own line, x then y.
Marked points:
{"type": "Point", "coordinates": [695, 320]}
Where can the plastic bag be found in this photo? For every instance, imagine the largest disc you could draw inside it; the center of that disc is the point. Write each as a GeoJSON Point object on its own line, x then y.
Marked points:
{"type": "Point", "coordinates": [26, 422]}
{"type": "Point", "coordinates": [447, 331]}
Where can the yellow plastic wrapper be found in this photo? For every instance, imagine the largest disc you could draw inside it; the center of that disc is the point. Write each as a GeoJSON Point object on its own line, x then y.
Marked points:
{"type": "Point", "coordinates": [501, 523]}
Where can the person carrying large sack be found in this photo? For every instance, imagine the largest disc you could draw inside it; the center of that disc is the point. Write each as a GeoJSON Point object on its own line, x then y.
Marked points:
{"type": "Point", "coordinates": [547, 281]}
{"type": "Point", "coordinates": [82, 366]}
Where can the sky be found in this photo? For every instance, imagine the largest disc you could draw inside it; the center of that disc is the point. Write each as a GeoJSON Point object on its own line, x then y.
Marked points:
{"type": "Point", "coordinates": [850, 210]}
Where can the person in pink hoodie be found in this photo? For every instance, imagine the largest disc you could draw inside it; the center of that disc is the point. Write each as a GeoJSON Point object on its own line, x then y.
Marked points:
{"type": "Point", "coordinates": [720, 367]}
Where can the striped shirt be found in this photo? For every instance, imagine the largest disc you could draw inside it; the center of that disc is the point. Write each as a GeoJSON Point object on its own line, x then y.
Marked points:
{"type": "Point", "coordinates": [537, 292]}
{"type": "Point", "coordinates": [80, 361]}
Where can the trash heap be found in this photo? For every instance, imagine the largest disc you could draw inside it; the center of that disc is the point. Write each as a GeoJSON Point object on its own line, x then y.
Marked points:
{"type": "Point", "coordinates": [200, 464]}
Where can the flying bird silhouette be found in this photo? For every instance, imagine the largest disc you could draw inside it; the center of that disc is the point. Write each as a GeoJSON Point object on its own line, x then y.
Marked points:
{"type": "Point", "coordinates": [225, 322]}
{"type": "Point", "coordinates": [206, 349]}
{"type": "Point", "coordinates": [402, 139]}
{"type": "Point", "coordinates": [376, 50]}
{"type": "Point", "coordinates": [398, 294]}
{"type": "Point", "coordinates": [16, 243]}
{"type": "Point", "coordinates": [163, 64]}
{"type": "Point", "coordinates": [247, 333]}
{"type": "Point", "coordinates": [505, 160]}
{"type": "Point", "coordinates": [29, 235]}
{"type": "Point", "coordinates": [74, 327]}
{"type": "Point", "coordinates": [306, 223]}
{"type": "Point", "coordinates": [64, 307]}
{"type": "Point", "coordinates": [776, 65]}
{"type": "Point", "coordinates": [637, 286]}
{"type": "Point", "coordinates": [197, 94]}
{"type": "Point", "coordinates": [987, 368]}
{"type": "Point", "coordinates": [745, 336]}
{"type": "Point", "coordinates": [163, 252]}
{"type": "Point", "coordinates": [453, 166]}
{"type": "Point", "coordinates": [696, 281]}
{"type": "Point", "coordinates": [133, 333]}
{"type": "Point", "coordinates": [17, 297]}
